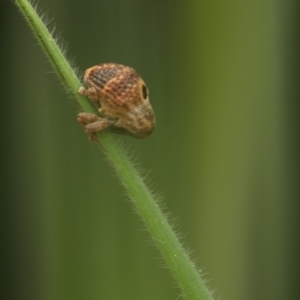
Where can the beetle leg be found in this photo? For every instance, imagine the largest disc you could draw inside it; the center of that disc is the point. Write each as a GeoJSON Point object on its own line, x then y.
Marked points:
{"type": "Point", "coordinates": [86, 118]}
{"type": "Point", "coordinates": [92, 124]}
{"type": "Point", "coordinates": [91, 93]}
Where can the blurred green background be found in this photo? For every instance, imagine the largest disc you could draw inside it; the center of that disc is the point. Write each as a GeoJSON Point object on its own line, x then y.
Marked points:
{"type": "Point", "coordinates": [224, 83]}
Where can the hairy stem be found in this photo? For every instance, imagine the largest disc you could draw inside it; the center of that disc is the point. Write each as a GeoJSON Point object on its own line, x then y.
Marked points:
{"type": "Point", "coordinates": [171, 249]}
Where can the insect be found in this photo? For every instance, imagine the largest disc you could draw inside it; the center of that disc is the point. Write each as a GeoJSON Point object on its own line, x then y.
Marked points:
{"type": "Point", "coordinates": [122, 99]}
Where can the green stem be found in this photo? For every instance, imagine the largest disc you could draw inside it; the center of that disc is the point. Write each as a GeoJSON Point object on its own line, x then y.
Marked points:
{"type": "Point", "coordinates": [176, 257]}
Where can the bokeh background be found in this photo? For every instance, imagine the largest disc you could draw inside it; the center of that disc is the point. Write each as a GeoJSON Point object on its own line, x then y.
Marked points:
{"type": "Point", "coordinates": [224, 83]}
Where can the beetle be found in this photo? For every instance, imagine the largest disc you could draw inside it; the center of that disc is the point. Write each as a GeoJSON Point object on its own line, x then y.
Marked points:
{"type": "Point", "coordinates": [122, 98]}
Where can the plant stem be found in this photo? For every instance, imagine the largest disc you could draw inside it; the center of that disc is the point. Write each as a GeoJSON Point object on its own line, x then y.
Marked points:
{"type": "Point", "coordinates": [171, 249]}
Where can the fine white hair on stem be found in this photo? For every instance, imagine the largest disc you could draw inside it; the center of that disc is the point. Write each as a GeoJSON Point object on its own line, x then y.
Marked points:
{"type": "Point", "coordinates": [158, 198]}
{"type": "Point", "coordinates": [56, 36]}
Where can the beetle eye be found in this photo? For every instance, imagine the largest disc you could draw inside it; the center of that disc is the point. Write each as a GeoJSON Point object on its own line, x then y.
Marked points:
{"type": "Point", "coordinates": [145, 91]}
